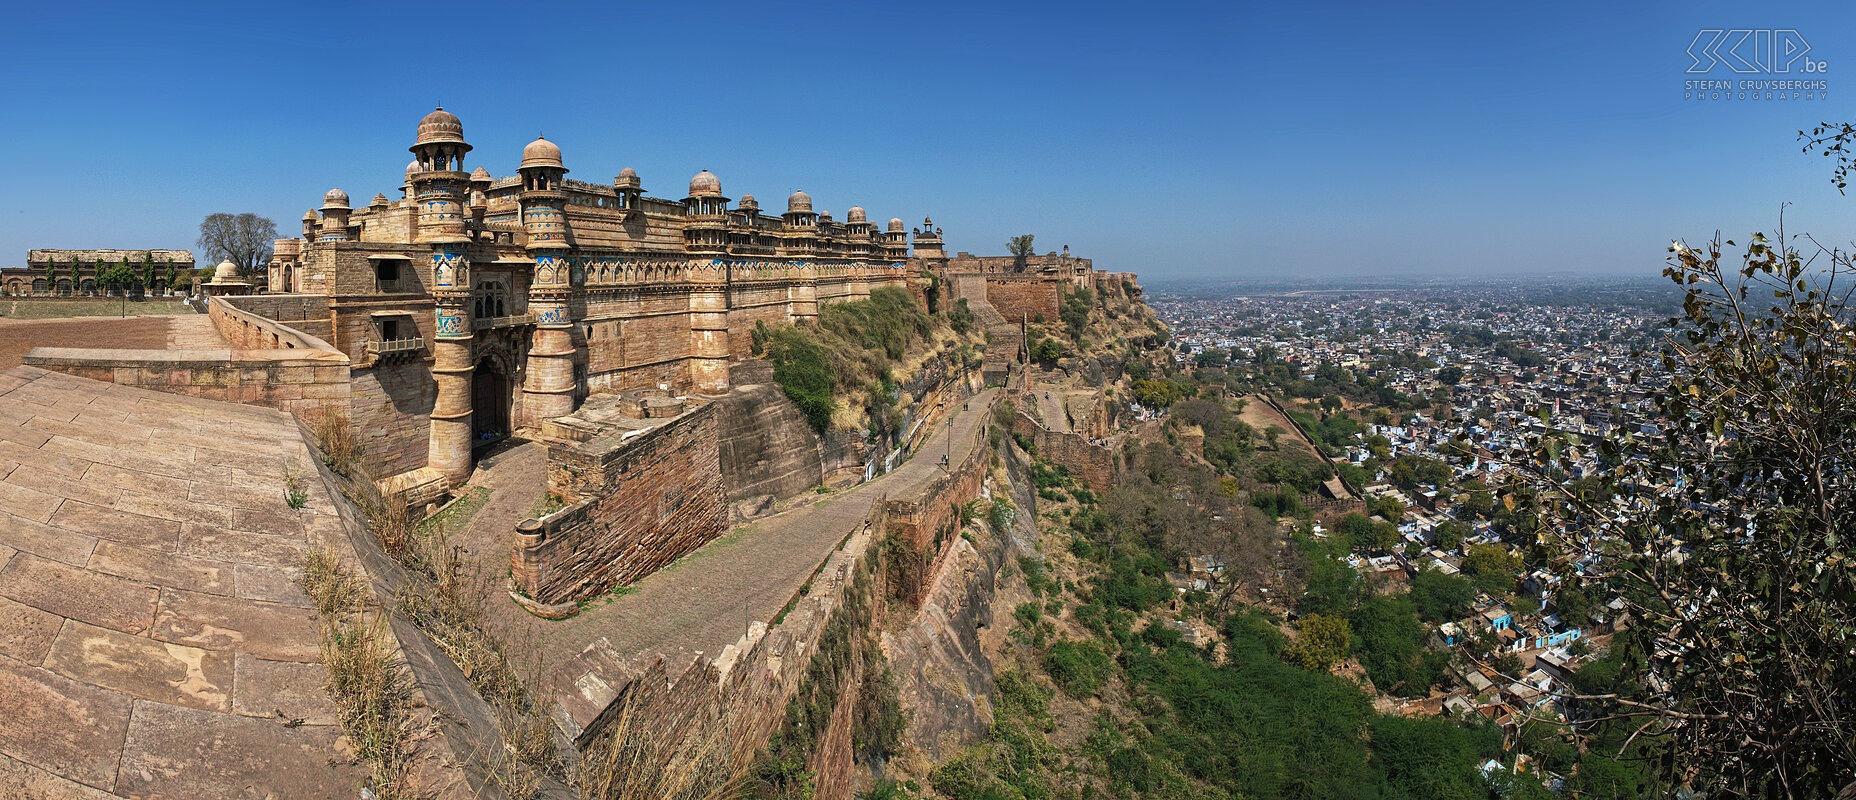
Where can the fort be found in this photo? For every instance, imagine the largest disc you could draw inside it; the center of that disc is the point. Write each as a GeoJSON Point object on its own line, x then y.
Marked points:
{"type": "Point", "coordinates": [606, 335]}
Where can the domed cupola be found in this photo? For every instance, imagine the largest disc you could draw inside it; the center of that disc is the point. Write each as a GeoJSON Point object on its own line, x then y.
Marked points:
{"type": "Point", "coordinates": [705, 184]}
{"type": "Point", "coordinates": [542, 153]}
{"type": "Point", "coordinates": [441, 126]}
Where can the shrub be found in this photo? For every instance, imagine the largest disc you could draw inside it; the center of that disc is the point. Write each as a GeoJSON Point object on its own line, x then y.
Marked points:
{"type": "Point", "coordinates": [1078, 668]}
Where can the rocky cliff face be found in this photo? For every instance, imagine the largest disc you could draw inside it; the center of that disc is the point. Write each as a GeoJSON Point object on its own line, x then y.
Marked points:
{"type": "Point", "coordinates": [944, 676]}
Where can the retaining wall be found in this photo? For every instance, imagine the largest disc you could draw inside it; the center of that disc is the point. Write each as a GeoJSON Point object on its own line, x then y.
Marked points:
{"type": "Point", "coordinates": [740, 698]}
{"type": "Point", "coordinates": [1090, 463]}
{"type": "Point", "coordinates": [638, 503]}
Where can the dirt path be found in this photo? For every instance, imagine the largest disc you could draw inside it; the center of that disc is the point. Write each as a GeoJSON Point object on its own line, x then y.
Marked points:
{"type": "Point", "coordinates": [19, 336]}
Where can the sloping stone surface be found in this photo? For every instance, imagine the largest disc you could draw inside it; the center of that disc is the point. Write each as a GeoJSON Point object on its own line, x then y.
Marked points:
{"type": "Point", "coordinates": [151, 630]}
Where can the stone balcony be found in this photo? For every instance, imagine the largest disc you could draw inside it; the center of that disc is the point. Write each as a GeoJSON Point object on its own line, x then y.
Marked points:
{"type": "Point", "coordinates": [391, 347]}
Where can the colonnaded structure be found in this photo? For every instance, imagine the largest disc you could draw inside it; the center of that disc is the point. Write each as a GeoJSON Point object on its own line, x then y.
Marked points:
{"type": "Point", "coordinates": [75, 272]}
{"type": "Point", "coordinates": [473, 305]}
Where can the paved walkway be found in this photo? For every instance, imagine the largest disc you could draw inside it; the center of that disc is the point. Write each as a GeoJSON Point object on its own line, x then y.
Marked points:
{"type": "Point", "coordinates": [153, 639]}
{"type": "Point", "coordinates": [193, 332]}
{"type": "Point", "coordinates": [705, 601]}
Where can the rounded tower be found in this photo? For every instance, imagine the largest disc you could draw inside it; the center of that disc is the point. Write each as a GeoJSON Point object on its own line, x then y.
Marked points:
{"type": "Point", "coordinates": [335, 211]}
{"type": "Point", "coordinates": [437, 182]}
{"type": "Point", "coordinates": [549, 389]}
{"type": "Point", "coordinates": [705, 215]}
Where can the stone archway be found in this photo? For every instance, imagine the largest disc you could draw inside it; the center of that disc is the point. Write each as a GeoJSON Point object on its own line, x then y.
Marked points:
{"type": "Point", "coordinates": [492, 390]}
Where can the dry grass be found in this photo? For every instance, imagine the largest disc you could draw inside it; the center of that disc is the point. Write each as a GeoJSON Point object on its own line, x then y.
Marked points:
{"type": "Point", "coordinates": [335, 438]}
{"type": "Point", "coordinates": [372, 689]}
{"type": "Point", "coordinates": [633, 763]}
{"type": "Point", "coordinates": [444, 596]}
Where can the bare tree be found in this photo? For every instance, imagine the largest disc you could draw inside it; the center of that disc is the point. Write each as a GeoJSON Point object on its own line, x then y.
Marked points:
{"type": "Point", "coordinates": [1021, 249]}
{"type": "Point", "coordinates": [243, 239]}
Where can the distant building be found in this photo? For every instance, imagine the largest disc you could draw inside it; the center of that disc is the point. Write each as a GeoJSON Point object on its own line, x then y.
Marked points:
{"type": "Point", "coordinates": [31, 279]}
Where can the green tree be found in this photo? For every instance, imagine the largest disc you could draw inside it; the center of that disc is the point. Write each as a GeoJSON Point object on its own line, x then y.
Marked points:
{"type": "Point", "coordinates": [130, 277]}
{"type": "Point", "coordinates": [1046, 350]}
{"type": "Point", "coordinates": [1075, 311]}
{"type": "Point", "coordinates": [1321, 642]}
{"type": "Point", "coordinates": [75, 283]}
{"type": "Point", "coordinates": [148, 269]}
{"type": "Point", "coordinates": [1450, 376]}
{"type": "Point", "coordinates": [1478, 498]}
{"type": "Point", "coordinates": [51, 276]}
{"type": "Point", "coordinates": [1492, 568]}
{"type": "Point", "coordinates": [1021, 248]}
{"type": "Point", "coordinates": [1441, 597]}
{"type": "Point", "coordinates": [1449, 534]}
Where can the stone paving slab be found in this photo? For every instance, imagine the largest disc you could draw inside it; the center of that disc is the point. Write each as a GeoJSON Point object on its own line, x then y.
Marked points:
{"type": "Point", "coordinates": [151, 627]}
{"type": "Point", "coordinates": [188, 754]}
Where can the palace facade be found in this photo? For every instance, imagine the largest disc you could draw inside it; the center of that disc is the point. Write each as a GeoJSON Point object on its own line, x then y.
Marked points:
{"type": "Point", "coordinates": [483, 303]}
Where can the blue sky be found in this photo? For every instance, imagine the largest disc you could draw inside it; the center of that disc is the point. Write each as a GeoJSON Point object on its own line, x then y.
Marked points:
{"type": "Point", "coordinates": [1181, 141]}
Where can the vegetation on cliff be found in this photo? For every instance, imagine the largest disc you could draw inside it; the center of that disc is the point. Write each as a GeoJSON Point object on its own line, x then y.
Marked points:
{"type": "Point", "coordinates": [842, 371]}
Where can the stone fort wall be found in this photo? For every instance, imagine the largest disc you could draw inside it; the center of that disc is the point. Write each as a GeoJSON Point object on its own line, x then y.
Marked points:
{"type": "Point", "coordinates": [1092, 464]}
{"type": "Point", "coordinates": [741, 697]}
{"type": "Point", "coordinates": [268, 365]}
{"type": "Point", "coordinates": [637, 504]}
{"type": "Point", "coordinates": [1022, 299]}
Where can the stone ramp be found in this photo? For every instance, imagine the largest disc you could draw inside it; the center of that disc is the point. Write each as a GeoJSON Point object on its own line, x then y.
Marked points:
{"type": "Point", "coordinates": [708, 600]}
{"type": "Point", "coordinates": [153, 639]}
{"type": "Point", "coordinates": [1004, 340]}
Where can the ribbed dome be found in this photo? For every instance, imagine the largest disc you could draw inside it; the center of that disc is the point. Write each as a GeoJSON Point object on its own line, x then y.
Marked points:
{"type": "Point", "coordinates": [542, 153]}
{"type": "Point", "coordinates": [705, 184]}
{"type": "Point", "coordinates": [748, 201]}
{"type": "Point", "coordinates": [798, 201]}
{"type": "Point", "coordinates": [628, 172]}
{"type": "Point", "coordinates": [335, 198]}
{"type": "Point", "coordinates": [895, 224]}
{"type": "Point", "coordinates": [480, 174]}
{"type": "Point", "coordinates": [856, 214]}
{"type": "Point", "coordinates": [412, 167]}
{"type": "Point", "coordinates": [440, 126]}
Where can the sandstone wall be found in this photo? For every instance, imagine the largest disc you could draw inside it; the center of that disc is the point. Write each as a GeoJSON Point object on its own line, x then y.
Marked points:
{"type": "Point", "coordinates": [247, 331]}
{"type": "Point", "coordinates": [308, 313]}
{"type": "Point", "coordinates": [638, 503]}
{"type": "Point", "coordinates": [742, 696]}
{"type": "Point", "coordinates": [739, 699]}
{"type": "Point", "coordinates": [943, 674]}
{"type": "Point", "coordinates": [390, 406]}
{"type": "Point", "coordinates": [302, 382]}
{"type": "Point", "coordinates": [468, 737]}
{"type": "Point", "coordinates": [1023, 299]}
{"type": "Point", "coordinates": [1092, 464]}
{"type": "Point", "coordinates": [928, 521]}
